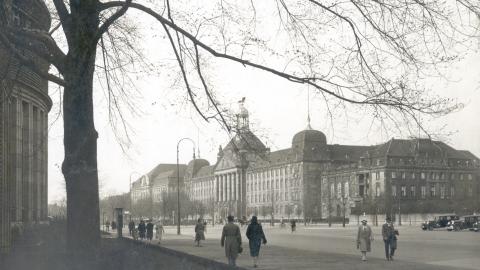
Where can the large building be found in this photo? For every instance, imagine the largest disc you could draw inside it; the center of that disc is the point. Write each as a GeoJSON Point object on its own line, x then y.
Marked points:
{"type": "Point", "coordinates": [319, 181]}
{"type": "Point", "coordinates": [24, 106]}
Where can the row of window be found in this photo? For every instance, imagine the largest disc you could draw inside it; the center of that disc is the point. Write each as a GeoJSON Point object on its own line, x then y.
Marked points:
{"type": "Point", "coordinates": [276, 196]}
{"type": "Point", "coordinates": [430, 175]}
{"type": "Point", "coordinates": [422, 161]}
{"type": "Point", "coordinates": [432, 191]}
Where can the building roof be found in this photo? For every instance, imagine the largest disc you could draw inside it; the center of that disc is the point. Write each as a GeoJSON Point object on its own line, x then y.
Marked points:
{"type": "Point", "coordinates": [245, 140]}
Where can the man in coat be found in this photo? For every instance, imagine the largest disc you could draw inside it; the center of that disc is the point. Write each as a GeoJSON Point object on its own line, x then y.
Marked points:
{"type": "Point", "coordinates": [149, 228]}
{"type": "Point", "coordinates": [256, 237]}
{"type": "Point", "coordinates": [232, 240]}
{"type": "Point", "coordinates": [364, 239]}
{"type": "Point", "coordinates": [388, 233]}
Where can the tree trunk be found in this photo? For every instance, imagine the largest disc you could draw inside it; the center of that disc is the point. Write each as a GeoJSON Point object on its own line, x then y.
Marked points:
{"type": "Point", "coordinates": [80, 163]}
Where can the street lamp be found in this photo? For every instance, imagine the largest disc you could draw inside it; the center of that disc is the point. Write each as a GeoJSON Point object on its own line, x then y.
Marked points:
{"type": "Point", "coordinates": [178, 181]}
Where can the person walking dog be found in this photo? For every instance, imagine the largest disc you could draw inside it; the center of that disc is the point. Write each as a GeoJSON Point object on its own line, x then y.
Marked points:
{"type": "Point", "coordinates": [364, 239]}
{"type": "Point", "coordinates": [232, 241]}
{"type": "Point", "coordinates": [256, 237]}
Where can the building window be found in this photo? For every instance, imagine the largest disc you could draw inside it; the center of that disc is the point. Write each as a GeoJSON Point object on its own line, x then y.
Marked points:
{"type": "Point", "coordinates": [412, 191]}
{"type": "Point", "coordinates": [403, 175]}
{"type": "Point", "coordinates": [461, 176]}
{"type": "Point", "coordinates": [422, 175]}
{"type": "Point", "coordinates": [470, 177]}
{"type": "Point", "coordinates": [377, 189]}
{"type": "Point", "coordinates": [404, 191]}
{"type": "Point", "coordinates": [432, 190]}
{"type": "Point", "coordinates": [394, 191]}
{"type": "Point", "coordinates": [423, 190]}
{"type": "Point", "coordinates": [413, 175]}
{"type": "Point", "coordinates": [394, 175]}
{"type": "Point", "coordinates": [442, 191]}
{"type": "Point", "coordinates": [469, 190]}
{"type": "Point", "coordinates": [452, 191]}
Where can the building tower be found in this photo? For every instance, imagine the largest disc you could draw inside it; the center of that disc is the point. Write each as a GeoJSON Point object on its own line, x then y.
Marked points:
{"type": "Point", "coordinates": [24, 107]}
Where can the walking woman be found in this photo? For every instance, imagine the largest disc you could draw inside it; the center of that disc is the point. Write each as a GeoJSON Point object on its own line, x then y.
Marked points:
{"type": "Point", "coordinates": [199, 232]}
{"type": "Point", "coordinates": [231, 240]}
{"type": "Point", "coordinates": [364, 239]}
{"type": "Point", "coordinates": [255, 237]}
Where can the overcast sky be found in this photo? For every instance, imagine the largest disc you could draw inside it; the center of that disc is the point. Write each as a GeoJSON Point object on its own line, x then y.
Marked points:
{"type": "Point", "coordinates": [278, 110]}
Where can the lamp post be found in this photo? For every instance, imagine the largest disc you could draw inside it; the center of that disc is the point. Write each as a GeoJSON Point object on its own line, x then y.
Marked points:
{"type": "Point", "coordinates": [178, 181]}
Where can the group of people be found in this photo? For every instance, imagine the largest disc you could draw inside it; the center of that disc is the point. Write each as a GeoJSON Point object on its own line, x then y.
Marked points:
{"type": "Point", "coordinates": [113, 224]}
{"type": "Point", "coordinates": [145, 230]}
{"type": "Point", "coordinates": [365, 239]}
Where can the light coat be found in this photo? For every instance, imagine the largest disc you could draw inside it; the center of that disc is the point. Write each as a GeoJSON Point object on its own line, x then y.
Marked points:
{"type": "Point", "coordinates": [231, 240]}
{"type": "Point", "coordinates": [364, 238]}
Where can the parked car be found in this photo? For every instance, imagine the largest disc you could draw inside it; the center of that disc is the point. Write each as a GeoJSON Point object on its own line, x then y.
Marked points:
{"type": "Point", "coordinates": [438, 222]}
{"type": "Point", "coordinates": [455, 225]}
{"type": "Point", "coordinates": [471, 222]}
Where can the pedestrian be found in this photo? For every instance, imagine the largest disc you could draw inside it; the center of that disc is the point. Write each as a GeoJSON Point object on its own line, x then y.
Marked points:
{"type": "Point", "coordinates": [364, 239]}
{"type": "Point", "coordinates": [199, 232]}
{"type": "Point", "coordinates": [131, 227]}
{"type": "Point", "coordinates": [135, 234]}
{"type": "Point", "coordinates": [388, 233]}
{"type": "Point", "coordinates": [107, 225]}
{"type": "Point", "coordinates": [255, 237]}
{"type": "Point", "coordinates": [293, 225]}
{"type": "Point", "coordinates": [394, 243]}
{"type": "Point", "coordinates": [141, 229]}
{"type": "Point", "coordinates": [114, 225]}
{"type": "Point", "coordinates": [149, 230]}
{"type": "Point", "coordinates": [159, 231]}
{"type": "Point", "coordinates": [232, 241]}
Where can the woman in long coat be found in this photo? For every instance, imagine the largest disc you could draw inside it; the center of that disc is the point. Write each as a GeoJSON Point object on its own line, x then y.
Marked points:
{"type": "Point", "coordinates": [364, 239]}
{"type": "Point", "coordinates": [255, 237]}
{"type": "Point", "coordinates": [232, 241]}
{"type": "Point", "coordinates": [199, 232]}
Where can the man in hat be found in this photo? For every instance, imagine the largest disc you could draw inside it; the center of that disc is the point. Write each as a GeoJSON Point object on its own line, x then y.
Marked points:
{"type": "Point", "coordinates": [364, 238]}
{"type": "Point", "coordinates": [232, 241]}
{"type": "Point", "coordinates": [388, 233]}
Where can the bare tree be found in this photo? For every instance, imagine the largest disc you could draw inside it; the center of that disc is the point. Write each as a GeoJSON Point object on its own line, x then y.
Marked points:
{"type": "Point", "coordinates": [372, 54]}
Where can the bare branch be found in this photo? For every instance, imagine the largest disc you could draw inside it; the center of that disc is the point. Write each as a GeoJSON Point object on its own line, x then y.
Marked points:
{"type": "Point", "coordinates": [110, 20]}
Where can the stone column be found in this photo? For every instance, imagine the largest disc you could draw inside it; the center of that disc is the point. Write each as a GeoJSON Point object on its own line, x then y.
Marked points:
{"type": "Point", "coordinates": [235, 187]}
{"type": "Point", "coordinates": [215, 187]}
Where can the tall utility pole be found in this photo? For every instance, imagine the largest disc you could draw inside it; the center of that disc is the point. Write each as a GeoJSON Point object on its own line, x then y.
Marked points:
{"type": "Point", "coordinates": [178, 181]}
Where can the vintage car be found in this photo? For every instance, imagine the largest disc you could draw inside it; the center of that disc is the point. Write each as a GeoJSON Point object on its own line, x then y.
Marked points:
{"type": "Point", "coordinates": [455, 225]}
{"type": "Point", "coordinates": [471, 222]}
{"type": "Point", "coordinates": [438, 222]}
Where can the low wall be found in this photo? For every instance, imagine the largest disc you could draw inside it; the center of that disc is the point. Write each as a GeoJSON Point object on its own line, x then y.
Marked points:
{"type": "Point", "coordinates": [130, 254]}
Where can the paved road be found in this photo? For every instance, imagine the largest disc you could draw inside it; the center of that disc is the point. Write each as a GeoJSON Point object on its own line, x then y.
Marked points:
{"type": "Point", "coordinates": [335, 247]}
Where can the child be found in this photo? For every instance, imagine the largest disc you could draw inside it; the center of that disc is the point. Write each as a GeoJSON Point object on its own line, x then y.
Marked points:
{"type": "Point", "coordinates": [394, 244]}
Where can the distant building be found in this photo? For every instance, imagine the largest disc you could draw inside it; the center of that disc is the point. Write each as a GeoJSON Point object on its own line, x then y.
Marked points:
{"type": "Point", "coordinates": [24, 106]}
{"type": "Point", "coordinates": [318, 181]}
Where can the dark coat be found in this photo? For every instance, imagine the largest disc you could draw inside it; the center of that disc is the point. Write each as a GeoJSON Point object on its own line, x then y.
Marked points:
{"type": "Point", "coordinates": [141, 230]}
{"type": "Point", "coordinates": [149, 230]}
{"type": "Point", "coordinates": [255, 237]}
{"type": "Point", "coordinates": [388, 231]}
{"type": "Point", "coordinates": [199, 232]}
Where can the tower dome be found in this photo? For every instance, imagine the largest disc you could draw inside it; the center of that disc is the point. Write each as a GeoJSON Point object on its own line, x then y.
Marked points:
{"type": "Point", "coordinates": [309, 139]}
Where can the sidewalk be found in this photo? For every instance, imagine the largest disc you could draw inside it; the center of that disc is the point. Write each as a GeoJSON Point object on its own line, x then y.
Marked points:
{"type": "Point", "coordinates": [275, 257]}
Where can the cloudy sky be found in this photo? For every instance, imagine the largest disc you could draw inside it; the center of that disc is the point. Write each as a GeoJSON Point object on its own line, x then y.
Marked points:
{"type": "Point", "coordinates": [278, 110]}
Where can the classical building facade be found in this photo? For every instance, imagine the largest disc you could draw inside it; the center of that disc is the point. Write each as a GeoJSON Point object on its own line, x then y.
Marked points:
{"type": "Point", "coordinates": [24, 106]}
{"type": "Point", "coordinates": [317, 181]}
